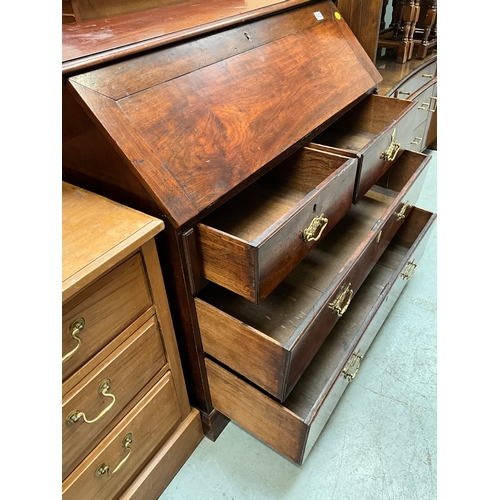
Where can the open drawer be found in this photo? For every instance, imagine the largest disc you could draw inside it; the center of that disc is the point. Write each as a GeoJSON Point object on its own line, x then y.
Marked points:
{"type": "Point", "coordinates": [293, 427]}
{"type": "Point", "coordinates": [251, 243]}
{"type": "Point", "coordinates": [271, 344]}
{"type": "Point", "coordinates": [375, 132]}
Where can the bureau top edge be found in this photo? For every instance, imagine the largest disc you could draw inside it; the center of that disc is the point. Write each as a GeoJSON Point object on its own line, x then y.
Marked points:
{"type": "Point", "coordinates": [93, 42]}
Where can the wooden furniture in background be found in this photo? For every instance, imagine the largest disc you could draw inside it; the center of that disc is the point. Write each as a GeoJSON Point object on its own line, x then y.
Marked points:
{"type": "Point", "coordinates": [399, 36]}
{"type": "Point", "coordinates": [416, 81]}
{"type": "Point", "coordinates": [425, 35]}
{"type": "Point", "coordinates": [255, 135]}
{"type": "Point", "coordinates": [413, 29]}
{"type": "Point", "coordinates": [363, 17]}
{"type": "Point", "coordinates": [127, 425]}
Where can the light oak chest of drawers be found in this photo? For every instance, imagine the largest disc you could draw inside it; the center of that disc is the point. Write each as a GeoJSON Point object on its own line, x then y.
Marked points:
{"type": "Point", "coordinates": [127, 425]}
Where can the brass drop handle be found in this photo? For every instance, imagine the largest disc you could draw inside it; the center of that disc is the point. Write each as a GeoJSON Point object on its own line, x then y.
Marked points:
{"type": "Point", "coordinates": [417, 140]}
{"type": "Point", "coordinates": [409, 270]}
{"type": "Point", "coordinates": [404, 93]}
{"type": "Point", "coordinates": [103, 389]}
{"type": "Point", "coordinates": [319, 222]}
{"type": "Point", "coordinates": [336, 305]}
{"type": "Point", "coordinates": [356, 357]}
{"type": "Point", "coordinates": [105, 469]}
{"type": "Point", "coordinates": [425, 75]}
{"type": "Point", "coordinates": [75, 328]}
{"type": "Point", "coordinates": [434, 98]}
{"type": "Point", "coordinates": [401, 214]}
{"type": "Point", "coordinates": [425, 106]}
{"type": "Point", "coordinates": [390, 153]}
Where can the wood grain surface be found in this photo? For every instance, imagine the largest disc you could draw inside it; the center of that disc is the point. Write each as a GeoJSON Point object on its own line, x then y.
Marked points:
{"type": "Point", "coordinates": [97, 233]}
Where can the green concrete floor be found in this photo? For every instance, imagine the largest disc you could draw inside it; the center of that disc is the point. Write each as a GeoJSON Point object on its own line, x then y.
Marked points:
{"type": "Point", "coordinates": [380, 442]}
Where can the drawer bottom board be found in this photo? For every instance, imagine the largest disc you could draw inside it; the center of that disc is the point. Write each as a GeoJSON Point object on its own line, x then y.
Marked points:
{"type": "Point", "coordinates": [292, 428]}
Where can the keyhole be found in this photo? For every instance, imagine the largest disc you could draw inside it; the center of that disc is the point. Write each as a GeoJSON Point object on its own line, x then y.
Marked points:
{"type": "Point", "coordinates": [247, 35]}
{"type": "Point", "coordinates": [314, 208]}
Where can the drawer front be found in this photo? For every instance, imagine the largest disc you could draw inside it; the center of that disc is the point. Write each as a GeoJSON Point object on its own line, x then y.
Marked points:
{"type": "Point", "coordinates": [317, 215]}
{"type": "Point", "coordinates": [106, 391]}
{"type": "Point", "coordinates": [256, 412]}
{"type": "Point", "coordinates": [292, 428]}
{"type": "Point", "coordinates": [101, 312]}
{"type": "Point", "coordinates": [372, 164]}
{"type": "Point", "coordinates": [113, 463]}
{"type": "Point", "coordinates": [251, 243]}
{"type": "Point", "coordinates": [377, 131]}
{"type": "Point", "coordinates": [417, 81]}
{"type": "Point", "coordinates": [425, 105]}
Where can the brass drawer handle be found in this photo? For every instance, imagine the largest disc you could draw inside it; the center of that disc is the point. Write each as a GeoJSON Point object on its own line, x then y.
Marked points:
{"type": "Point", "coordinates": [417, 140]}
{"type": "Point", "coordinates": [435, 106]}
{"type": "Point", "coordinates": [409, 270]}
{"type": "Point", "coordinates": [103, 389]}
{"type": "Point", "coordinates": [75, 328]}
{"type": "Point", "coordinates": [336, 305]}
{"type": "Point", "coordinates": [401, 214]}
{"type": "Point", "coordinates": [404, 93]}
{"type": "Point", "coordinates": [105, 469]}
{"type": "Point", "coordinates": [390, 153]}
{"type": "Point", "coordinates": [426, 75]}
{"type": "Point", "coordinates": [356, 357]}
{"type": "Point", "coordinates": [425, 106]}
{"type": "Point", "coordinates": [319, 222]}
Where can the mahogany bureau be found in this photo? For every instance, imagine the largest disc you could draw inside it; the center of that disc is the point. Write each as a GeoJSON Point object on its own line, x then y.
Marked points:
{"type": "Point", "coordinates": [127, 426]}
{"type": "Point", "coordinates": [286, 185]}
{"type": "Point", "coordinates": [416, 81]}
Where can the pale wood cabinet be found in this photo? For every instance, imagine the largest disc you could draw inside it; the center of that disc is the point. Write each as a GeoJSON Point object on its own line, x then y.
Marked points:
{"type": "Point", "coordinates": [124, 402]}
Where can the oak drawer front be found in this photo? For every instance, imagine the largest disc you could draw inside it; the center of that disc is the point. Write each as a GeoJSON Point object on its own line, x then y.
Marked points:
{"type": "Point", "coordinates": [113, 463]}
{"type": "Point", "coordinates": [111, 386]}
{"type": "Point", "coordinates": [272, 343]}
{"type": "Point", "coordinates": [375, 131]}
{"type": "Point", "coordinates": [251, 243]}
{"type": "Point", "coordinates": [410, 86]}
{"type": "Point", "coordinates": [101, 312]}
{"type": "Point", "coordinates": [292, 427]}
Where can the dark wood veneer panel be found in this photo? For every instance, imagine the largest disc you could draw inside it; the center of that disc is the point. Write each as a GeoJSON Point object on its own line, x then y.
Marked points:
{"type": "Point", "coordinates": [228, 120]}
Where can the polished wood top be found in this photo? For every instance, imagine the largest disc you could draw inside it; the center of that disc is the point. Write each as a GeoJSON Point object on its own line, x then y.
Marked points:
{"type": "Point", "coordinates": [91, 42]}
{"type": "Point", "coordinates": [96, 234]}
{"type": "Point", "coordinates": [394, 73]}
